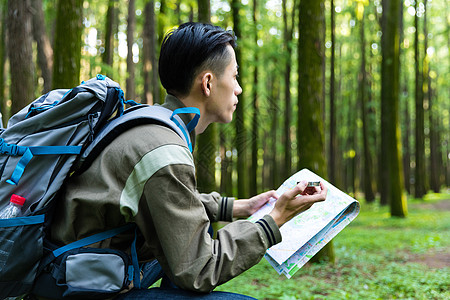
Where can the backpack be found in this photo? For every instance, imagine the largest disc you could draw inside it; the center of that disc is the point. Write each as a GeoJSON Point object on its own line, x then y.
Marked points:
{"type": "Point", "coordinates": [58, 135]}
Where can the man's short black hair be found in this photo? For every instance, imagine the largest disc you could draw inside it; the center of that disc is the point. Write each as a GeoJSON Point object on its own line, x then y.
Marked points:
{"type": "Point", "coordinates": [190, 49]}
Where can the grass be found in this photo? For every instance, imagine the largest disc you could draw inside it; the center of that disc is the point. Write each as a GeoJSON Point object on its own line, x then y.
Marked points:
{"type": "Point", "coordinates": [377, 257]}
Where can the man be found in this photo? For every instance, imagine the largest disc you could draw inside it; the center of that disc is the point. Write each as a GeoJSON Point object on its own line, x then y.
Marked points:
{"type": "Point", "coordinates": [147, 176]}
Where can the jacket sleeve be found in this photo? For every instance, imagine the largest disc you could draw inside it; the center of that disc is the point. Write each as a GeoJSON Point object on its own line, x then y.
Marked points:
{"type": "Point", "coordinates": [185, 250]}
{"type": "Point", "coordinates": [218, 208]}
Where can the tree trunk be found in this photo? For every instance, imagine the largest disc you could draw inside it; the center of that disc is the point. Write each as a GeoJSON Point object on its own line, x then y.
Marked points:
{"type": "Point", "coordinates": [333, 138]}
{"type": "Point", "coordinates": [207, 141]}
{"type": "Point", "coordinates": [275, 175]}
{"type": "Point", "coordinates": [310, 128]}
{"type": "Point", "coordinates": [67, 50]}
{"type": "Point", "coordinates": [204, 11]}
{"type": "Point", "coordinates": [130, 91]}
{"type": "Point", "coordinates": [44, 48]}
{"type": "Point", "coordinates": [419, 178]}
{"type": "Point", "coordinates": [435, 170]}
{"type": "Point", "coordinates": [150, 63]}
{"type": "Point", "coordinates": [367, 167]}
{"type": "Point", "coordinates": [4, 109]}
{"type": "Point", "coordinates": [255, 125]}
{"type": "Point", "coordinates": [389, 110]}
{"type": "Point", "coordinates": [226, 165]}
{"type": "Point", "coordinates": [241, 132]}
{"type": "Point", "coordinates": [287, 43]}
{"type": "Point", "coordinates": [406, 138]}
{"type": "Point", "coordinates": [108, 55]}
{"type": "Point", "coordinates": [20, 53]}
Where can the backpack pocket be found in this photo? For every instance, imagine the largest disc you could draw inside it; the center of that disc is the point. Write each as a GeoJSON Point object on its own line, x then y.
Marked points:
{"type": "Point", "coordinates": [86, 272]}
{"type": "Point", "coordinates": [21, 248]}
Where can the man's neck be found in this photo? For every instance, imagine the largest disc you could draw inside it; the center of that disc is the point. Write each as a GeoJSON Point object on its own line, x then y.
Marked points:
{"type": "Point", "coordinates": [191, 101]}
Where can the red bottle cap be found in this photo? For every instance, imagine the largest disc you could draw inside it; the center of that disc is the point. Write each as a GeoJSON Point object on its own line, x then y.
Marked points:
{"type": "Point", "coordinates": [16, 199]}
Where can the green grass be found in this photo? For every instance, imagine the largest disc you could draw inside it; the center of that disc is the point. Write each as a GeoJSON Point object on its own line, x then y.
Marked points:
{"type": "Point", "coordinates": [377, 257]}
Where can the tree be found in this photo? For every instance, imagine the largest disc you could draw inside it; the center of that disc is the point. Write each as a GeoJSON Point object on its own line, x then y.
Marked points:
{"type": "Point", "coordinates": [67, 49]}
{"type": "Point", "coordinates": [362, 94]}
{"type": "Point", "coordinates": [150, 65]}
{"type": "Point", "coordinates": [255, 125]}
{"type": "Point", "coordinates": [332, 129]}
{"type": "Point", "coordinates": [310, 127]}
{"type": "Point", "coordinates": [108, 54]}
{"type": "Point", "coordinates": [435, 170]}
{"type": "Point", "coordinates": [241, 131]}
{"type": "Point", "coordinates": [20, 54]}
{"type": "Point", "coordinates": [130, 91]}
{"type": "Point", "coordinates": [3, 54]}
{"type": "Point", "coordinates": [419, 178]}
{"type": "Point", "coordinates": [390, 131]}
{"type": "Point", "coordinates": [44, 48]}
{"type": "Point", "coordinates": [204, 11]}
{"type": "Point", "coordinates": [207, 141]}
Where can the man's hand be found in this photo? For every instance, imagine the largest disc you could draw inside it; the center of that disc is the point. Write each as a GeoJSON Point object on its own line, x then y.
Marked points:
{"type": "Point", "coordinates": [296, 201]}
{"type": "Point", "coordinates": [246, 207]}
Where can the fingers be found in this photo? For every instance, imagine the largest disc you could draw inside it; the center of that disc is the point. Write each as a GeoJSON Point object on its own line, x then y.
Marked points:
{"type": "Point", "coordinates": [270, 194]}
{"type": "Point", "coordinates": [298, 189]}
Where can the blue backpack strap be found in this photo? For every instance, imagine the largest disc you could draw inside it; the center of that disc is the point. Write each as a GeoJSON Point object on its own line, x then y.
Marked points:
{"type": "Point", "coordinates": [190, 126]}
{"type": "Point", "coordinates": [27, 154]}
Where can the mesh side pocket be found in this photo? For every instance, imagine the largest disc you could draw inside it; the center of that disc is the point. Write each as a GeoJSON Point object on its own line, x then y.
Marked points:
{"type": "Point", "coordinates": [21, 248]}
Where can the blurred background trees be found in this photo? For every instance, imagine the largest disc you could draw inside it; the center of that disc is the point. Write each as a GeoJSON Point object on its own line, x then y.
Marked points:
{"type": "Point", "coordinates": [355, 90]}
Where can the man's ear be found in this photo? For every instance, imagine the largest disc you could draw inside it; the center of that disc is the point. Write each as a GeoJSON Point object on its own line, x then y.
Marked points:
{"type": "Point", "coordinates": [206, 83]}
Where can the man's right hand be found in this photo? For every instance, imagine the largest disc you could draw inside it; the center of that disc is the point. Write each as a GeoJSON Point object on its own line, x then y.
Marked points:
{"type": "Point", "coordinates": [295, 201]}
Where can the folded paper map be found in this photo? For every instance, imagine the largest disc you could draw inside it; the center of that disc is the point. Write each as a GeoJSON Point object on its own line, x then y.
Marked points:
{"type": "Point", "coordinates": [307, 233]}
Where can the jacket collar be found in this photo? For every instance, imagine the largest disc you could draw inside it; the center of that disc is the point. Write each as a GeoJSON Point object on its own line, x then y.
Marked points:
{"type": "Point", "coordinates": [171, 102]}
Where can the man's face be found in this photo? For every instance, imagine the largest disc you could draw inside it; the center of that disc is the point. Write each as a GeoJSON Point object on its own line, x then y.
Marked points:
{"type": "Point", "coordinates": [224, 92]}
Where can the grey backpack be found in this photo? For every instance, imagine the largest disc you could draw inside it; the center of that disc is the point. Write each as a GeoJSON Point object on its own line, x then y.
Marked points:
{"type": "Point", "coordinates": [56, 135]}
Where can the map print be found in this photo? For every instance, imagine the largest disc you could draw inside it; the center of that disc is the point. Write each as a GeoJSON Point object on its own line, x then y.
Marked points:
{"type": "Point", "coordinates": [307, 233]}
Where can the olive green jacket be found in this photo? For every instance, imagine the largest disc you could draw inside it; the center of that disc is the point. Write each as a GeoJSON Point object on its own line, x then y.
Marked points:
{"type": "Point", "coordinates": [147, 176]}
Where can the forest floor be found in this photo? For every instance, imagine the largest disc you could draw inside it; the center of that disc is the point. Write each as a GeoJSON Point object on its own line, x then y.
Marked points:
{"type": "Point", "coordinates": [435, 258]}
{"type": "Point", "coordinates": [377, 257]}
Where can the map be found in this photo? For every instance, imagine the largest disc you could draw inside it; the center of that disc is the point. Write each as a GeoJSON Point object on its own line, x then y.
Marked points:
{"type": "Point", "coordinates": [308, 232]}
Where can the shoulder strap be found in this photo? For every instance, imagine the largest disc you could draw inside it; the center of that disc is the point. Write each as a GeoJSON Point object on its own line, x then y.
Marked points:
{"type": "Point", "coordinates": [135, 116]}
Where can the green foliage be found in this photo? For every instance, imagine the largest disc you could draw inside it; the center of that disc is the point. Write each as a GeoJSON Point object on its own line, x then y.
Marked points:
{"type": "Point", "coordinates": [378, 257]}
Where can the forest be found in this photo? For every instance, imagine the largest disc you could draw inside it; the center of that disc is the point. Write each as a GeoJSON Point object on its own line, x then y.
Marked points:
{"type": "Point", "coordinates": [357, 91]}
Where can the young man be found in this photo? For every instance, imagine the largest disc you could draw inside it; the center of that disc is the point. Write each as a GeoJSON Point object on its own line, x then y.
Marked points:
{"type": "Point", "coordinates": [147, 176]}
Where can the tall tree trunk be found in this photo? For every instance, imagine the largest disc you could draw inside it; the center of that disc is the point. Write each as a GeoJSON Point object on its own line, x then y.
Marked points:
{"type": "Point", "coordinates": [44, 48]}
{"type": "Point", "coordinates": [287, 43]}
{"type": "Point", "coordinates": [162, 20]}
{"type": "Point", "coordinates": [67, 51]}
{"type": "Point", "coordinates": [241, 131]}
{"type": "Point", "coordinates": [204, 11]}
{"type": "Point", "coordinates": [150, 63]}
{"type": "Point", "coordinates": [207, 141]}
{"type": "Point", "coordinates": [406, 137]}
{"type": "Point", "coordinates": [226, 179]}
{"type": "Point", "coordinates": [333, 138]}
{"type": "Point", "coordinates": [4, 109]}
{"type": "Point", "coordinates": [406, 151]}
{"type": "Point", "coordinates": [274, 90]}
{"type": "Point", "coordinates": [20, 53]}
{"type": "Point", "coordinates": [130, 91]}
{"type": "Point", "coordinates": [419, 178]}
{"type": "Point", "coordinates": [390, 109]}
{"type": "Point", "coordinates": [310, 129]}
{"type": "Point", "coordinates": [255, 125]}
{"type": "Point", "coordinates": [435, 170]}
{"type": "Point", "coordinates": [367, 167]}
{"type": "Point", "coordinates": [108, 55]}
